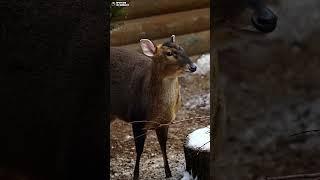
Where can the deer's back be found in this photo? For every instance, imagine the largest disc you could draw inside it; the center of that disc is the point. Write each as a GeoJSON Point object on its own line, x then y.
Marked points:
{"type": "Point", "coordinates": [129, 72]}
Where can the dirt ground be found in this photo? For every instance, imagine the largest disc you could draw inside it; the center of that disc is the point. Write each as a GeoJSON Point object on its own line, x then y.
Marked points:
{"type": "Point", "coordinates": [195, 89]}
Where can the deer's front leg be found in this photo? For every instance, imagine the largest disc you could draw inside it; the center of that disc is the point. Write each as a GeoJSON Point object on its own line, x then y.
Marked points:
{"type": "Point", "coordinates": [139, 139]}
{"type": "Point", "coordinates": [162, 134]}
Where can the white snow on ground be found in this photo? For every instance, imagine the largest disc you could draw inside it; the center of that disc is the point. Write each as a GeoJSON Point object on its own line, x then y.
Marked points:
{"type": "Point", "coordinates": [201, 101]}
{"type": "Point", "coordinates": [200, 139]}
{"type": "Point", "coordinates": [203, 64]}
{"type": "Point", "coordinates": [187, 176]}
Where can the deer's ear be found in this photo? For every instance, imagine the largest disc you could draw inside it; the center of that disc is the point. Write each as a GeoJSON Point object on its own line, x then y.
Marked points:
{"type": "Point", "coordinates": [148, 48]}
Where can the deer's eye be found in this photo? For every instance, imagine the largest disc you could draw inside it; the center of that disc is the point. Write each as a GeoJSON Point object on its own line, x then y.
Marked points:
{"type": "Point", "coordinates": [169, 54]}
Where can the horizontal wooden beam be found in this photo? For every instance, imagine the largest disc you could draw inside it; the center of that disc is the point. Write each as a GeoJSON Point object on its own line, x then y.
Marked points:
{"type": "Point", "coordinates": [193, 43]}
{"type": "Point", "coordinates": [154, 27]}
{"type": "Point", "coordinates": [144, 8]}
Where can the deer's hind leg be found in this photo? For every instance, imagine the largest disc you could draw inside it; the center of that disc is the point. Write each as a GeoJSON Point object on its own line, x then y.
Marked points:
{"type": "Point", "coordinates": [162, 134]}
{"type": "Point", "coordinates": [140, 135]}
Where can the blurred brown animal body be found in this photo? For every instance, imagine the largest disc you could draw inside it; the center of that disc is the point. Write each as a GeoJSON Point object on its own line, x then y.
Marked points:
{"type": "Point", "coordinates": [147, 89]}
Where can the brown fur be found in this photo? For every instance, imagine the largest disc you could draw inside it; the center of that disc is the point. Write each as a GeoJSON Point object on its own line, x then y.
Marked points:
{"type": "Point", "coordinates": [145, 89]}
{"type": "Point", "coordinates": [144, 86]}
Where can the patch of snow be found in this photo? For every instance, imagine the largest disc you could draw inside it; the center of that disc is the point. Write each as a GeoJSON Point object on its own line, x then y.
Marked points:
{"type": "Point", "coordinates": [188, 176]}
{"type": "Point", "coordinates": [203, 64]}
{"type": "Point", "coordinates": [199, 139]}
{"type": "Point", "coordinates": [199, 101]}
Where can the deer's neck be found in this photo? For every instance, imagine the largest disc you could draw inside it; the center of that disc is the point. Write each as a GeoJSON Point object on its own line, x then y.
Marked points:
{"type": "Point", "coordinates": [160, 84]}
{"type": "Point", "coordinates": [164, 92]}
{"type": "Point", "coordinates": [163, 95]}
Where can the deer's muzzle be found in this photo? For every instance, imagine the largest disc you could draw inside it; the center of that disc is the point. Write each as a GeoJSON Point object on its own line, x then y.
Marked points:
{"type": "Point", "coordinates": [192, 67]}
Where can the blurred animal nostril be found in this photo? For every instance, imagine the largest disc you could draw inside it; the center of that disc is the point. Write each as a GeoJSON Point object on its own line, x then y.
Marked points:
{"type": "Point", "coordinates": [264, 20]}
{"type": "Point", "coordinates": [269, 19]}
{"type": "Point", "coordinates": [192, 67]}
{"type": "Point", "coordinates": [266, 13]}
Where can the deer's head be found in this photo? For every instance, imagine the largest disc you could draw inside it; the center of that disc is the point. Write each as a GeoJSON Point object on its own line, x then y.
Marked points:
{"type": "Point", "coordinates": [169, 57]}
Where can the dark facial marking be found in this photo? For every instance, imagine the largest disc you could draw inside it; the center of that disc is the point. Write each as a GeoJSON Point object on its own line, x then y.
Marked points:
{"type": "Point", "coordinates": [180, 55]}
{"type": "Point", "coordinates": [173, 46]}
{"type": "Point", "coordinates": [170, 44]}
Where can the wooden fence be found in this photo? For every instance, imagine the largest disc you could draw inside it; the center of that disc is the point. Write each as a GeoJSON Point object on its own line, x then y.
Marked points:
{"type": "Point", "coordinates": [157, 20]}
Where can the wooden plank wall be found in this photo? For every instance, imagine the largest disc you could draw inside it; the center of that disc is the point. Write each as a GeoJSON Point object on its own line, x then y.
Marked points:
{"type": "Point", "coordinates": [157, 20]}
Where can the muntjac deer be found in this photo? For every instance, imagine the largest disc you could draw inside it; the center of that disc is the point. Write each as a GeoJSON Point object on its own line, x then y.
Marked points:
{"type": "Point", "coordinates": [146, 88]}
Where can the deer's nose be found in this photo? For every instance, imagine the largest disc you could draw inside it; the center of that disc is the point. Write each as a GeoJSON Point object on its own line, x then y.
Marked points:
{"type": "Point", "coordinates": [264, 20]}
{"type": "Point", "coordinates": [192, 67]}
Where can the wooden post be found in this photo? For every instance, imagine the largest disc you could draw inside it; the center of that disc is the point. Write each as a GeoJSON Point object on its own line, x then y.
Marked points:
{"type": "Point", "coordinates": [197, 153]}
{"type": "Point", "coordinates": [217, 113]}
